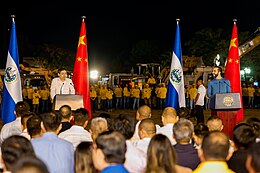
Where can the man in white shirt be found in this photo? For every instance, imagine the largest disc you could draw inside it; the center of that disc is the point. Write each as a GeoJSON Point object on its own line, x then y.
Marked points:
{"type": "Point", "coordinates": [77, 133]}
{"type": "Point", "coordinates": [135, 158]}
{"type": "Point", "coordinates": [143, 112]}
{"type": "Point", "coordinates": [15, 127]}
{"type": "Point", "coordinates": [199, 101]}
{"type": "Point", "coordinates": [146, 131]}
{"type": "Point", "coordinates": [169, 117]}
{"type": "Point", "coordinates": [61, 84]}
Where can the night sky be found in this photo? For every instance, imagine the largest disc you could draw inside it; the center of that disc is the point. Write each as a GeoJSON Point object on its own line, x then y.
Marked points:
{"type": "Point", "coordinates": [113, 26]}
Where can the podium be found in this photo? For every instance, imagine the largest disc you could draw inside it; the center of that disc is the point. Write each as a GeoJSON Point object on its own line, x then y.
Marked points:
{"type": "Point", "coordinates": [75, 101]}
{"type": "Point", "coordinates": [225, 106]}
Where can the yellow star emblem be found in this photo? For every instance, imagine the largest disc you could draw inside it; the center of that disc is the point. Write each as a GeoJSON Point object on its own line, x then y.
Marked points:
{"type": "Point", "coordinates": [79, 59]}
{"type": "Point", "coordinates": [86, 59]}
{"type": "Point", "coordinates": [232, 43]}
{"type": "Point", "coordinates": [237, 61]}
{"type": "Point", "coordinates": [81, 40]}
{"type": "Point", "coordinates": [230, 60]}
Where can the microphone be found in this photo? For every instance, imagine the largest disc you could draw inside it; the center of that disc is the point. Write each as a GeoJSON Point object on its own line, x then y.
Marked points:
{"type": "Point", "coordinates": [61, 88]}
{"type": "Point", "coordinates": [231, 89]}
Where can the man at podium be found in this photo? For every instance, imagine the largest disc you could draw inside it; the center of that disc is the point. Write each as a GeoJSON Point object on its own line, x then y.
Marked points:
{"type": "Point", "coordinates": [61, 84]}
{"type": "Point", "coordinates": [219, 84]}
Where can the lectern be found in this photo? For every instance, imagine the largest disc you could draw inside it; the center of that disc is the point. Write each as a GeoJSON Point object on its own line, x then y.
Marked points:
{"type": "Point", "coordinates": [75, 101]}
{"type": "Point", "coordinates": [225, 106]}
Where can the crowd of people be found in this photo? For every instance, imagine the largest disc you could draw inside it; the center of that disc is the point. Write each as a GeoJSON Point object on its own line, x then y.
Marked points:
{"type": "Point", "coordinates": [67, 141]}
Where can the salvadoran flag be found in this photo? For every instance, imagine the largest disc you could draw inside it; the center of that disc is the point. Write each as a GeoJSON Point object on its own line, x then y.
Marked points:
{"type": "Point", "coordinates": [12, 91]}
{"type": "Point", "coordinates": [175, 93]}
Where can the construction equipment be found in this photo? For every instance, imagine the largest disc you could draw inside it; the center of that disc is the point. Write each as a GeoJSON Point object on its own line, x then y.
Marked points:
{"type": "Point", "coordinates": [252, 42]}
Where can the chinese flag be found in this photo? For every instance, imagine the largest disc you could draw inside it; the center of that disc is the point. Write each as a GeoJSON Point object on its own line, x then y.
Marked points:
{"type": "Point", "coordinates": [80, 73]}
{"type": "Point", "coordinates": [232, 71]}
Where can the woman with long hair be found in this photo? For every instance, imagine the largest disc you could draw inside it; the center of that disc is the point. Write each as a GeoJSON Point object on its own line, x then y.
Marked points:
{"type": "Point", "coordinates": [161, 154]}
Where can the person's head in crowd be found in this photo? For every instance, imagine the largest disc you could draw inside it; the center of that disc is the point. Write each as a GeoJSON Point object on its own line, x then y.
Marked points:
{"type": "Point", "coordinates": [214, 123]}
{"type": "Point", "coordinates": [51, 122]}
{"type": "Point", "coordinates": [243, 136]}
{"type": "Point", "coordinates": [107, 116]}
{"type": "Point", "coordinates": [143, 112]}
{"type": "Point", "coordinates": [97, 126]}
{"type": "Point", "coordinates": [21, 108]}
{"type": "Point", "coordinates": [66, 113]}
{"type": "Point", "coordinates": [183, 131]}
{"type": "Point", "coordinates": [160, 153]}
{"type": "Point", "coordinates": [13, 148]}
{"type": "Point", "coordinates": [125, 125]}
{"type": "Point", "coordinates": [29, 164]}
{"type": "Point", "coordinates": [255, 123]}
{"type": "Point", "coordinates": [33, 125]}
{"type": "Point", "coordinates": [147, 128]}
{"type": "Point", "coordinates": [253, 158]}
{"type": "Point", "coordinates": [169, 116]}
{"type": "Point", "coordinates": [109, 149]}
{"type": "Point", "coordinates": [24, 119]}
{"type": "Point", "coordinates": [215, 147]}
{"type": "Point", "coordinates": [83, 158]}
{"type": "Point", "coordinates": [200, 130]}
{"type": "Point", "coordinates": [81, 117]}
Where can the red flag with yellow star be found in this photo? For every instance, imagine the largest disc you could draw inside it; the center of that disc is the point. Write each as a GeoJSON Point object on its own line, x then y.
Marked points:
{"type": "Point", "coordinates": [232, 70]}
{"type": "Point", "coordinates": [80, 73]}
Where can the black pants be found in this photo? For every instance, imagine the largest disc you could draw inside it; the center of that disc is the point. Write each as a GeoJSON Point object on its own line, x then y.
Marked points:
{"type": "Point", "coordinates": [198, 112]}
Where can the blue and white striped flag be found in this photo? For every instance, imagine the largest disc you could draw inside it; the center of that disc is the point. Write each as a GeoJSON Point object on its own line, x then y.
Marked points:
{"type": "Point", "coordinates": [175, 93]}
{"type": "Point", "coordinates": [12, 92]}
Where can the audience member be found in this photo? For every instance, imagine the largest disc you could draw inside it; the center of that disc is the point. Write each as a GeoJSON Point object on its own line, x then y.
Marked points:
{"type": "Point", "coordinates": [255, 123]}
{"type": "Point", "coordinates": [143, 112]}
{"type": "Point", "coordinates": [66, 116]}
{"type": "Point", "coordinates": [253, 158]}
{"type": "Point", "coordinates": [146, 131]}
{"type": "Point", "coordinates": [213, 153]}
{"type": "Point", "coordinates": [13, 148]}
{"type": "Point", "coordinates": [243, 137]}
{"type": "Point", "coordinates": [97, 126]}
{"type": "Point", "coordinates": [29, 164]}
{"type": "Point", "coordinates": [109, 152]}
{"type": "Point", "coordinates": [200, 130]}
{"type": "Point", "coordinates": [187, 154]}
{"type": "Point", "coordinates": [14, 127]}
{"type": "Point", "coordinates": [77, 132]}
{"type": "Point", "coordinates": [169, 118]}
{"type": "Point", "coordinates": [107, 116]}
{"type": "Point", "coordinates": [34, 126]}
{"type": "Point", "coordinates": [135, 158]}
{"type": "Point", "coordinates": [214, 123]}
{"type": "Point", "coordinates": [161, 154]}
{"type": "Point", "coordinates": [56, 153]}
{"type": "Point", "coordinates": [83, 158]}
{"type": "Point", "coordinates": [24, 120]}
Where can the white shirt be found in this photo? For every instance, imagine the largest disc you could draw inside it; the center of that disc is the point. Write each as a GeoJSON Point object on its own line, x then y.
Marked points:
{"type": "Point", "coordinates": [167, 130]}
{"type": "Point", "coordinates": [135, 158]}
{"type": "Point", "coordinates": [26, 134]}
{"type": "Point", "coordinates": [11, 128]}
{"type": "Point", "coordinates": [59, 87]}
{"type": "Point", "coordinates": [202, 92]}
{"type": "Point", "coordinates": [136, 137]}
{"type": "Point", "coordinates": [75, 135]}
{"type": "Point", "coordinates": [142, 144]}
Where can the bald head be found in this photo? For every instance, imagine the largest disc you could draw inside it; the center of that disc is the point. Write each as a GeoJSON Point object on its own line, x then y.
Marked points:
{"type": "Point", "coordinates": [143, 112]}
{"type": "Point", "coordinates": [169, 116]}
{"type": "Point", "coordinates": [214, 123]}
{"type": "Point", "coordinates": [147, 128]}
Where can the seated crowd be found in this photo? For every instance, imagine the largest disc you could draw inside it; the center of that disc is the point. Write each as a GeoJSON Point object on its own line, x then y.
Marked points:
{"type": "Point", "coordinates": [69, 142]}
